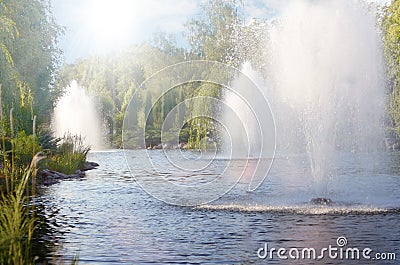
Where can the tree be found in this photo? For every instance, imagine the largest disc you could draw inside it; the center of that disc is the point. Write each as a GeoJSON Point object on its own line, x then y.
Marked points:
{"type": "Point", "coordinates": [214, 34]}
{"type": "Point", "coordinates": [391, 37]}
{"type": "Point", "coordinates": [217, 33]}
{"type": "Point", "coordinates": [8, 31]}
{"type": "Point", "coordinates": [30, 58]}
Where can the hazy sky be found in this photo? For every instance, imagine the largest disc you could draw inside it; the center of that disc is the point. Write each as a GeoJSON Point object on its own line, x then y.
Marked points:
{"type": "Point", "coordinates": [101, 26]}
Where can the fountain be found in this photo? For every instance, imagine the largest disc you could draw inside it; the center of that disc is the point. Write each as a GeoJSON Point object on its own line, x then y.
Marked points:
{"type": "Point", "coordinates": [76, 113]}
{"type": "Point", "coordinates": [243, 102]}
{"type": "Point", "coordinates": [326, 67]}
{"type": "Point", "coordinates": [326, 92]}
{"type": "Point", "coordinates": [325, 86]}
{"type": "Point", "coordinates": [323, 83]}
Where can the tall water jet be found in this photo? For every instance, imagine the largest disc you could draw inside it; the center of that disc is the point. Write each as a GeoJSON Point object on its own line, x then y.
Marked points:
{"type": "Point", "coordinates": [76, 113]}
{"type": "Point", "coordinates": [325, 66]}
{"type": "Point", "coordinates": [247, 142]}
{"type": "Point", "coordinates": [248, 100]}
{"type": "Point", "coordinates": [250, 125]}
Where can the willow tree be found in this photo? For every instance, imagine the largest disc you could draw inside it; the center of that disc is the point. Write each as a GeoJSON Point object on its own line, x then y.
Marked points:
{"type": "Point", "coordinates": [8, 31]}
{"type": "Point", "coordinates": [214, 34]}
{"type": "Point", "coordinates": [30, 57]}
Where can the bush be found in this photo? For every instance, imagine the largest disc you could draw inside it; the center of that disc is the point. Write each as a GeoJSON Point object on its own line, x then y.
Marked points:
{"type": "Point", "coordinates": [25, 146]}
{"type": "Point", "coordinates": [47, 140]}
{"type": "Point", "coordinates": [15, 156]}
{"type": "Point", "coordinates": [69, 156]}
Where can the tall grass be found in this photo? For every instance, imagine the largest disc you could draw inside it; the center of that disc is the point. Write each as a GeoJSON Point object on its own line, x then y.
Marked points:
{"type": "Point", "coordinates": [17, 183]}
{"type": "Point", "coordinates": [70, 155]}
{"type": "Point", "coordinates": [16, 154]}
{"type": "Point", "coordinates": [17, 223]}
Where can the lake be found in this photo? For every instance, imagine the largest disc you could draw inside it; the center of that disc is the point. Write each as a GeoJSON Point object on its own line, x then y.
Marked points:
{"type": "Point", "coordinates": [107, 218]}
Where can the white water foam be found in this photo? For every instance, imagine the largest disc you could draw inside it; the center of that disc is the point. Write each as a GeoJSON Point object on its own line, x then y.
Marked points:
{"type": "Point", "coordinates": [302, 209]}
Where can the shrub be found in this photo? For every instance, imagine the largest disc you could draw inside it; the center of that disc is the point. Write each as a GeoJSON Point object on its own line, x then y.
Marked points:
{"type": "Point", "coordinates": [70, 155]}
{"type": "Point", "coordinates": [25, 146]}
{"type": "Point", "coordinates": [47, 140]}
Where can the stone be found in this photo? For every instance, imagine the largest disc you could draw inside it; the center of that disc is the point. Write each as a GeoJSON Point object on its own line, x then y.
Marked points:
{"type": "Point", "coordinates": [51, 177]}
{"type": "Point", "coordinates": [89, 166]}
{"type": "Point", "coordinates": [321, 201]}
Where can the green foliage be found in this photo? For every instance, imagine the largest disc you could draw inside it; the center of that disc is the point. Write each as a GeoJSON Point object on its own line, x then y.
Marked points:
{"type": "Point", "coordinates": [132, 139]}
{"type": "Point", "coordinates": [214, 34]}
{"type": "Point", "coordinates": [16, 225]}
{"type": "Point", "coordinates": [17, 216]}
{"type": "Point", "coordinates": [16, 155]}
{"type": "Point", "coordinates": [26, 146]}
{"type": "Point", "coordinates": [391, 37]}
{"type": "Point", "coordinates": [217, 33]}
{"type": "Point", "coordinates": [29, 58]}
{"type": "Point", "coordinates": [8, 30]}
{"type": "Point", "coordinates": [17, 213]}
{"type": "Point", "coordinates": [47, 140]}
{"type": "Point", "coordinates": [152, 136]}
{"type": "Point", "coordinates": [202, 131]}
{"type": "Point", "coordinates": [116, 78]}
{"type": "Point", "coordinates": [69, 156]}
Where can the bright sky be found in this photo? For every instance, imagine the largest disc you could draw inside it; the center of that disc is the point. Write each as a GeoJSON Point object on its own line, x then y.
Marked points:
{"type": "Point", "coordinates": [101, 26]}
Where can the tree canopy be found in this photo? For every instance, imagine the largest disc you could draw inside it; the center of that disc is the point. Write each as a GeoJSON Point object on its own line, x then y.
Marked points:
{"type": "Point", "coordinates": [217, 33]}
{"type": "Point", "coordinates": [29, 59]}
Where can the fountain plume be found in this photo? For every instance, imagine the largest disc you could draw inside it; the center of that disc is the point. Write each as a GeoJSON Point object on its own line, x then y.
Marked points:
{"type": "Point", "coordinates": [325, 67]}
{"type": "Point", "coordinates": [76, 113]}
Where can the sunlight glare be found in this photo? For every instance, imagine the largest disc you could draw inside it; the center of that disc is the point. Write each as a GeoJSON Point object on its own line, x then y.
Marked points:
{"type": "Point", "coordinates": [110, 22]}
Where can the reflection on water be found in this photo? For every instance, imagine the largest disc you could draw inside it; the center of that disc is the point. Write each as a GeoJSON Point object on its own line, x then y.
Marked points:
{"type": "Point", "coordinates": [108, 219]}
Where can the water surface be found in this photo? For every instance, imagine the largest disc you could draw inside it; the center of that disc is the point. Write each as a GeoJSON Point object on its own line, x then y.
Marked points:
{"type": "Point", "coordinates": [107, 218]}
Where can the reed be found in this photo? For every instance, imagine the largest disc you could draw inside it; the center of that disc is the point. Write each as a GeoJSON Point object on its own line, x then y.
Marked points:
{"type": "Point", "coordinates": [17, 223]}
{"type": "Point", "coordinates": [70, 155]}
{"type": "Point", "coordinates": [17, 185]}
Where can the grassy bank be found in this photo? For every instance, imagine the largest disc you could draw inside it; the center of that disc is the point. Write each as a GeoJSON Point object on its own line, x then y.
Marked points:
{"type": "Point", "coordinates": [22, 157]}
